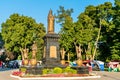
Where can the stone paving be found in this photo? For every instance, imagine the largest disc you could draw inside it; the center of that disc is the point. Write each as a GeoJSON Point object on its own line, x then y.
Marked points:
{"type": "Point", "coordinates": [105, 75]}
{"type": "Point", "coordinates": [5, 75]}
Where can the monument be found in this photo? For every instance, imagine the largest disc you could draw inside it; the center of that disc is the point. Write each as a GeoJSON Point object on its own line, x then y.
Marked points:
{"type": "Point", "coordinates": [51, 56]}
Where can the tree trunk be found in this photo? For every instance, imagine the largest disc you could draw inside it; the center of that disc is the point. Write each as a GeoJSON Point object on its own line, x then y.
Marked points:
{"type": "Point", "coordinates": [88, 52]}
{"type": "Point", "coordinates": [96, 41]}
{"type": "Point", "coordinates": [68, 56]}
{"type": "Point", "coordinates": [78, 51]}
{"type": "Point", "coordinates": [22, 54]}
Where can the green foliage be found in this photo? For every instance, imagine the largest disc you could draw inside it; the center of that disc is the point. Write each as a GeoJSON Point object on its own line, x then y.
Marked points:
{"type": "Point", "coordinates": [63, 17]}
{"type": "Point", "coordinates": [103, 49]}
{"type": "Point", "coordinates": [110, 30]}
{"type": "Point", "coordinates": [57, 70]}
{"type": "Point", "coordinates": [30, 55]}
{"type": "Point", "coordinates": [20, 31]}
{"type": "Point", "coordinates": [19, 57]}
{"type": "Point", "coordinates": [115, 57]}
{"type": "Point", "coordinates": [69, 70]}
{"type": "Point", "coordinates": [23, 69]}
{"type": "Point", "coordinates": [74, 33]}
{"type": "Point", "coordinates": [45, 71]}
{"type": "Point", "coordinates": [85, 30]}
{"type": "Point", "coordinates": [62, 14]}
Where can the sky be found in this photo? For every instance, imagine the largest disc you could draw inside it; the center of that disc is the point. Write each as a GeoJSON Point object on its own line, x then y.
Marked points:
{"type": "Point", "coordinates": [38, 9]}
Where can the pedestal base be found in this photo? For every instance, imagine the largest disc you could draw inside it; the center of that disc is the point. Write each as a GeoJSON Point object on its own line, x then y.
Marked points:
{"type": "Point", "coordinates": [81, 69]}
{"type": "Point", "coordinates": [33, 70]}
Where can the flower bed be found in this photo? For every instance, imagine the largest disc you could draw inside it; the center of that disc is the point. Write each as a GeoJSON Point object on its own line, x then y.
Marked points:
{"type": "Point", "coordinates": [66, 76]}
{"type": "Point", "coordinates": [20, 74]}
{"type": "Point", "coordinates": [56, 73]}
{"type": "Point", "coordinates": [51, 77]}
{"type": "Point", "coordinates": [17, 73]}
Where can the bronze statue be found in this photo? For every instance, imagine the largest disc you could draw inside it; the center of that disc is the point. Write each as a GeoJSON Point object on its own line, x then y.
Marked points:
{"type": "Point", "coordinates": [63, 53]}
{"type": "Point", "coordinates": [24, 53]}
{"type": "Point", "coordinates": [34, 50]}
{"type": "Point", "coordinates": [33, 61]}
{"type": "Point", "coordinates": [50, 22]}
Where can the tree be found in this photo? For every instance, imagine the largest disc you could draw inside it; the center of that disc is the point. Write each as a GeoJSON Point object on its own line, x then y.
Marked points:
{"type": "Point", "coordinates": [20, 31]}
{"type": "Point", "coordinates": [84, 32]}
{"type": "Point", "coordinates": [106, 16]}
{"type": "Point", "coordinates": [64, 18]}
{"type": "Point", "coordinates": [97, 24]}
{"type": "Point", "coordinates": [74, 34]}
{"type": "Point", "coordinates": [115, 31]}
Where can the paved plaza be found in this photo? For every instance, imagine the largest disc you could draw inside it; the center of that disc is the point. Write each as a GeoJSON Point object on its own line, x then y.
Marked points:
{"type": "Point", "coordinates": [5, 75]}
{"type": "Point", "coordinates": [105, 75]}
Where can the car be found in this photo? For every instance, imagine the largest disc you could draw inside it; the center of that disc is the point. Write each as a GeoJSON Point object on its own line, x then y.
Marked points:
{"type": "Point", "coordinates": [14, 63]}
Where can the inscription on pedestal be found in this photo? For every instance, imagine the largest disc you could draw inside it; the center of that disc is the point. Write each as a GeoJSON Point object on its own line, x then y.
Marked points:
{"type": "Point", "coordinates": [53, 52]}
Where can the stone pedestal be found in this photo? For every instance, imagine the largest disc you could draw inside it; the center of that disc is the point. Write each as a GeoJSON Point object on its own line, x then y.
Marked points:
{"type": "Point", "coordinates": [34, 70]}
{"type": "Point", "coordinates": [51, 56]}
{"type": "Point", "coordinates": [81, 69]}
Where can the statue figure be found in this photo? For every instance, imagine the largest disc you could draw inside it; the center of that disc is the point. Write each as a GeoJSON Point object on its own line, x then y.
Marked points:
{"type": "Point", "coordinates": [50, 22]}
{"type": "Point", "coordinates": [33, 61]}
{"type": "Point", "coordinates": [63, 53]}
{"type": "Point", "coordinates": [34, 50]}
{"type": "Point", "coordinates": [79, 56]}
{"type": "Point", "coordinates": [25, 51]}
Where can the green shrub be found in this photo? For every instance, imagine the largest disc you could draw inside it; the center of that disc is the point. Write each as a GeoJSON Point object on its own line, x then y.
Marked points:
{"type": "Point", "coordinates": [69, 70]}
{"type": "Point", "coordinates": [57, 70]}
{"type": "Point", "coordinates": [23, 69]}
{"type": "Point", "coordinates": [73, 71]}
{"type": "Point", "coordinates": [45, 71]}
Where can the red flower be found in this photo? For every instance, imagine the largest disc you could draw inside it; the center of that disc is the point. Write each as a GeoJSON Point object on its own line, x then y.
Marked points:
{"type": "Point", "coordinates": [17, 73]}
